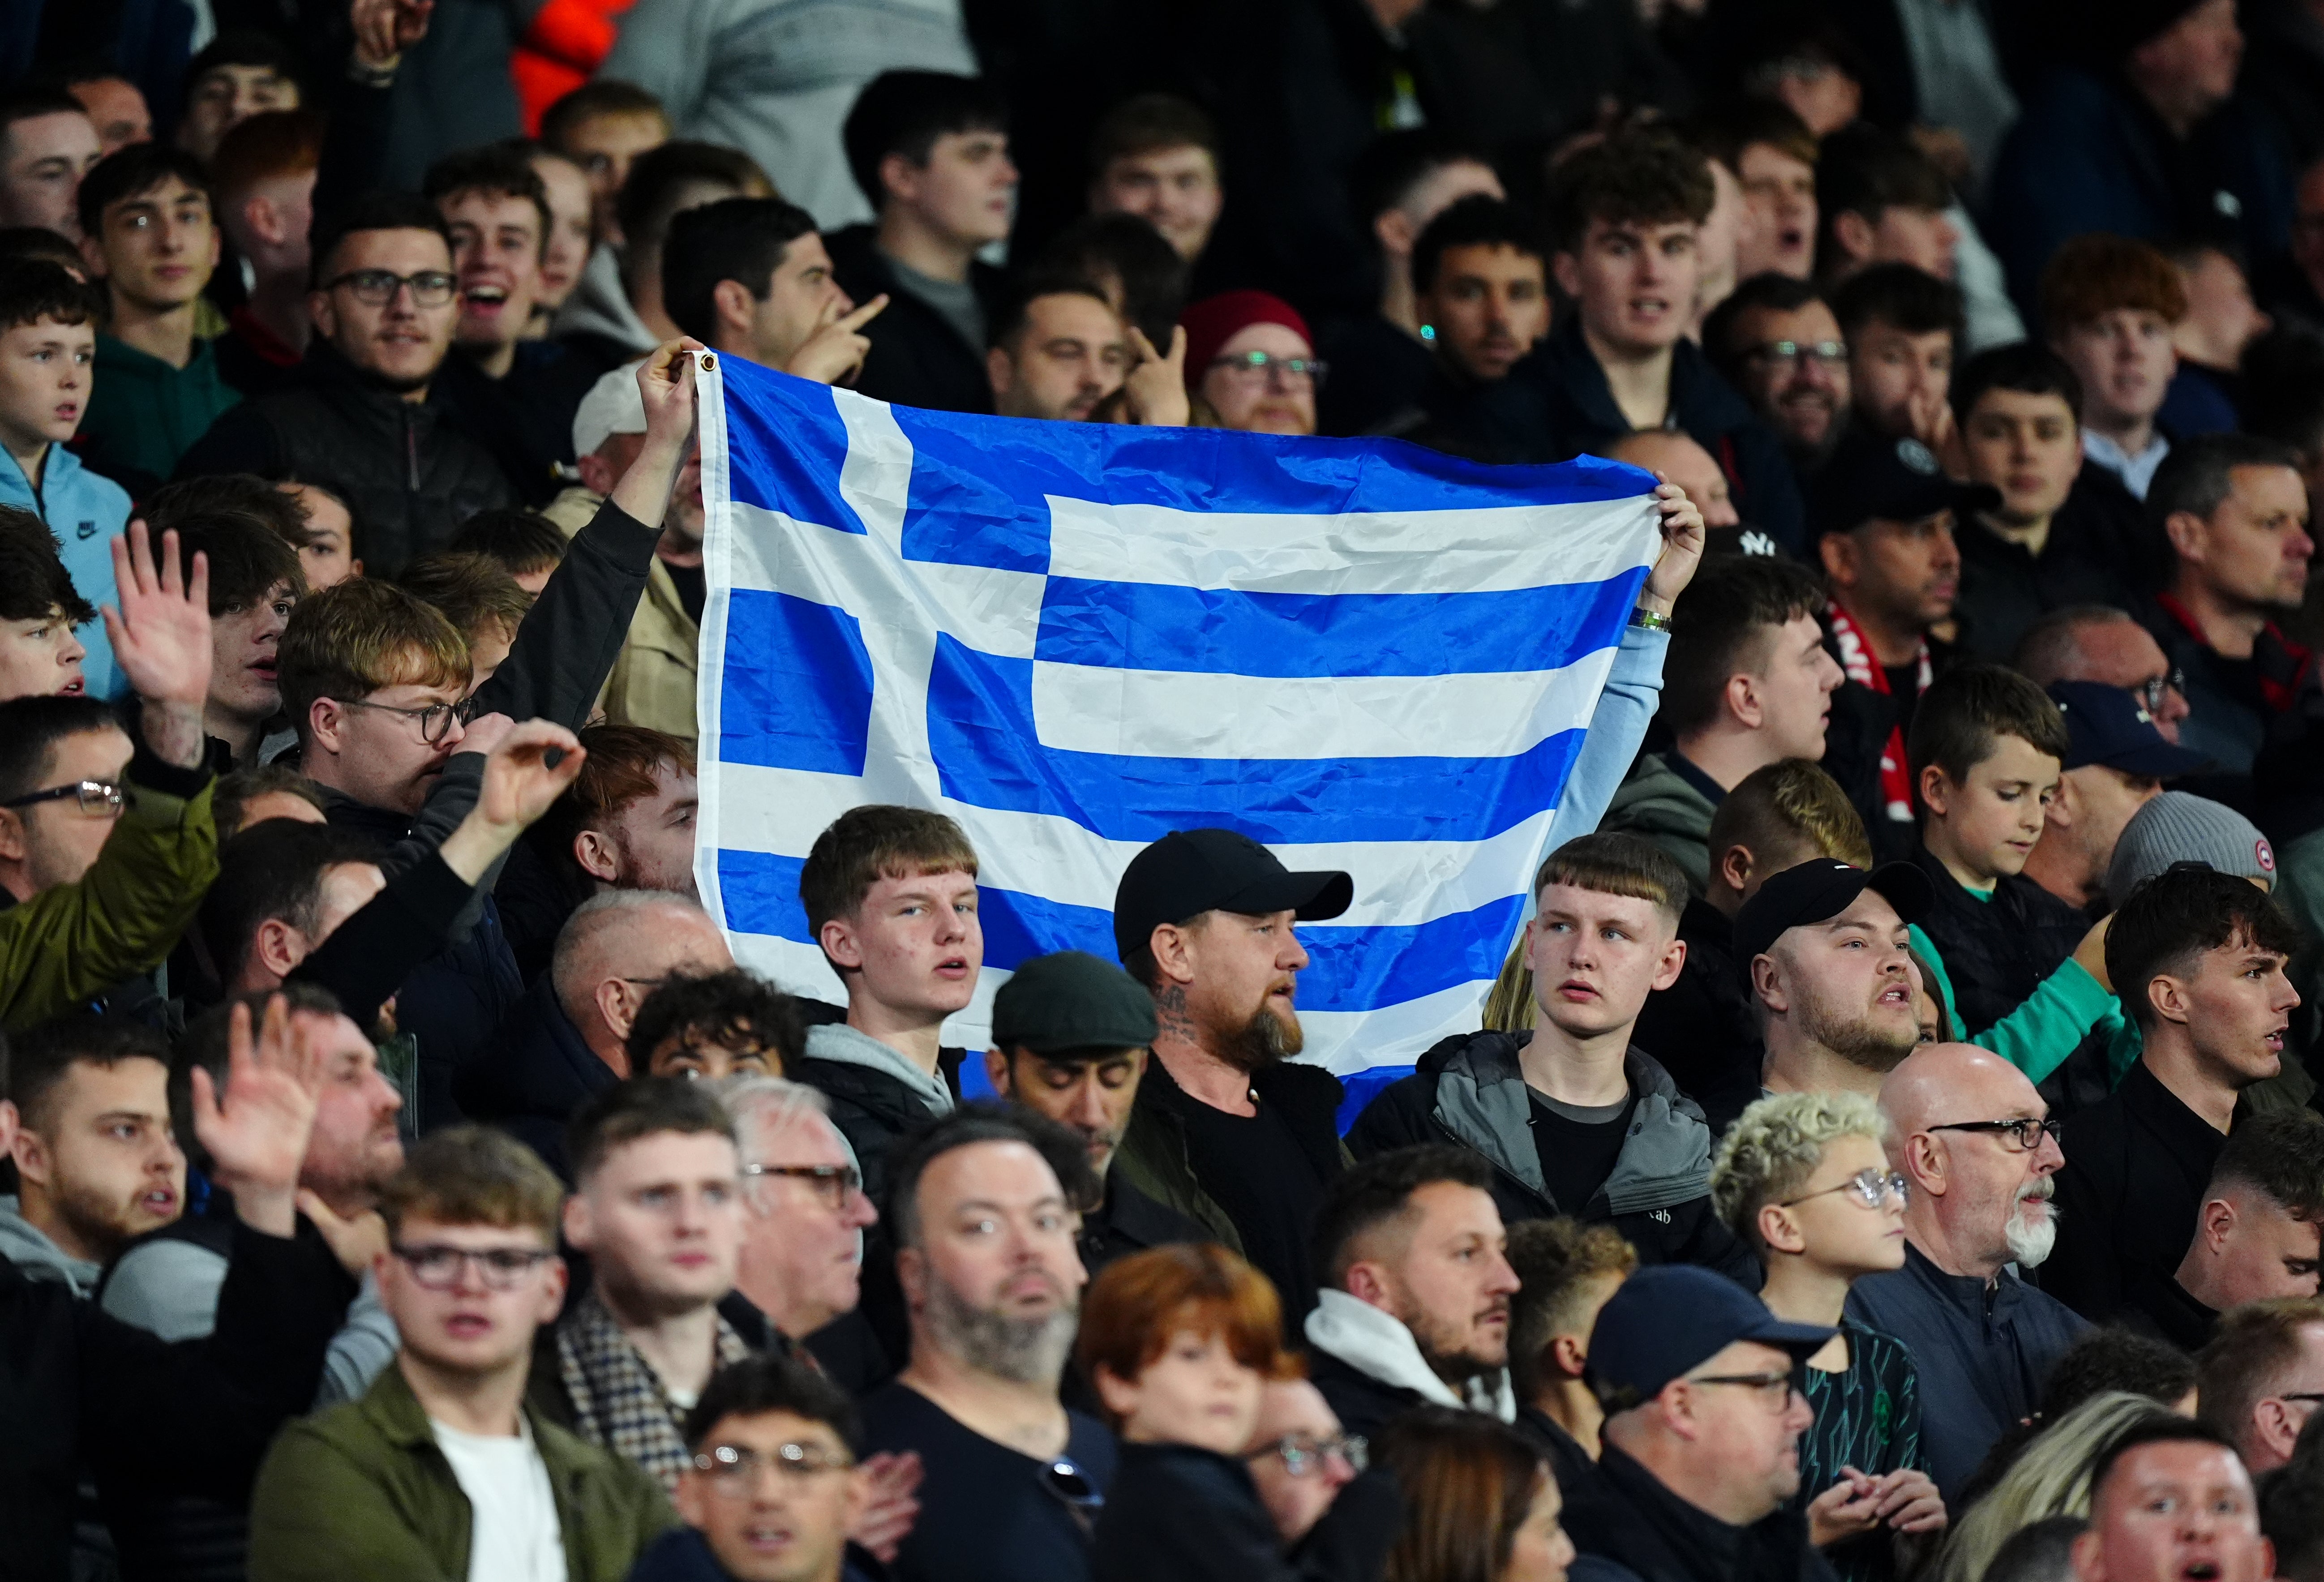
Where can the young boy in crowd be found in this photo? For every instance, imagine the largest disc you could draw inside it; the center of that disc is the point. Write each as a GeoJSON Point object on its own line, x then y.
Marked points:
{"type": "Point", "coordinates": [39, 608]}
{"type": "Point", "coordinates": [1902, 325]}
{"type": "Point", "coordinates": [890, 893]}
{"type": "Point", "coordinates": [1566, 1270]}
{"type": "Point", "coordinates": [2109, 306]}
{"type": "Point", "coordinates": [1577, 1121]}
{"type": "Point", "coordinates": [1984, 754]}
{"type": "Point", "coordinates": [151, 242]}
{"type": "Point", "coordinates": [441, 1469]}
{"type": "Point", "coordinates": [1156, 156]}
{"type": "Point", "coordinates": [48, 344]}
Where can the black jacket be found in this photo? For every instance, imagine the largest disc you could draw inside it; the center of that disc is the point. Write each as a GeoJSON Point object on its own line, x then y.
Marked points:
{"type": "Point", "coordinates": [2086, 560]}
{"type": "Point", "coordinates": [1177, 1514]}
{"type": "Point", "coordinates": [1997, 952]}
{"type": "Point", "coordinates": [1569, 1462]}
{"type": "Point", "coordinates": [1469, 1090]}
{"type": "Point", "coordinates": [1363, 1404]}
{"type": "Point", "coordinates": [1556, 405]}
{"type": "Point", "coordinates": [1982, 1350]}
{"type": "Point", "coordinates": [410, 473]}
{"type": "Point", "coordinates": [1378, 372]}
{"type": "Point", "coordinates": [80, 1389]}
{"type": "Point", "coordinates": [523, 420]}
{"type": "Point", "coordinates": [2135, 1170]}
{"type": "Point", "coordinates": [540, 1073]}
{"type": "Point", "coordinates": [918, 359]}
{"type": "Point", "coordinates": [1702, 1029]}
{"type": "Point", "coordinates": [2232, 704]}
{"type": "Point", "coordinates": [1128, 1221]}
{"type": "Point", "coordinates": [1627, 1515]}
{"type": "Point", "coordinates": [872, 1109]}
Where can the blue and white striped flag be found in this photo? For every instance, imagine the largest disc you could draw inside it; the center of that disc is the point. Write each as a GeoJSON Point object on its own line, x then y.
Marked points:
{"type": "Point", "coordinates": [1075, 638]}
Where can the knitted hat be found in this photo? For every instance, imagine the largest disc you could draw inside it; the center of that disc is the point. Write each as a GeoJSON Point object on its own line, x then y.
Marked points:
{"type": "Point", "coordinates": [2176, 827]}
{"type": "Point", "coordinates": [1213, 321]}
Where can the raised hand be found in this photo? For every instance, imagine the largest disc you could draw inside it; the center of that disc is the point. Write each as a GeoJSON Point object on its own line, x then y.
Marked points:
{"type": "Point", "coordinates": [834, 353]}
{"type": "Point", "coordinates": [161, 636]}
{"type": "Point", "coordinates": [1156, 388]}
{"type": "Point", "coordinates": [519, 784]}
{"type": "Point", "coordinates": [385, 29]}
{"type": "Point", "coordinates": [256, 1136]}
{"type": "Point", "coordinates": [1683, 537]}
{"type": "Point", "coordinates": [666, 386]}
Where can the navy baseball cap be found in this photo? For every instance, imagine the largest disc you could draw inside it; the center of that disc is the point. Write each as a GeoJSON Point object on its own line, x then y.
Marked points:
{"type": "Point", "coordinates": [1871, 475]}
{"type": "Point", "coordinates": [1671, 1317]}
{"type": "Point", "coordinates": [1189, 872]}
{"type": "Point", "coordinates": [2109, 725]}
{"type": "Point", "coordinates": [1821, 888]}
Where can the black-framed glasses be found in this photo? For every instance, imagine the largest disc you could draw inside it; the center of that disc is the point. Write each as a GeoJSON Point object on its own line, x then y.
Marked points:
{"type": "Point", "coordinates": [376, 288]}
{"type": "Point", "coordinates": [501, 1268]}
{"type": "Point", "coordinates": [1872, 1188]}
{"type": "Point", "coordinates": [1774, 1389]}
{"type": "Point", "coordinates": [435, 720]}
{"type": "Point", "coordinates": [103, 797]}
{"type": "Point", "coordinates": [733, 1469]}
{"type": "Point", "coordinates": [1787, 355]}
{"type": "Point", "coordinates": [1304, 1455]}
{"type": "Point", "coordinates": [1256, 367]}
{"type": "Point", "coordinates": [833, 1184]}
{"type": "Point", "coordinates": [2151, 692]}
{"type": "Point", "coordinates": [1076, 1490]}
{"type": "Point", "coordinates": [2028, 1132]}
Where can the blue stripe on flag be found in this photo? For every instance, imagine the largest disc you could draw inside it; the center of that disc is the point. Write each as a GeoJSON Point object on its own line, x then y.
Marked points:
{"type": "Point", "coordinates": [785, 446]}
{"type": "Point", "coordinates": [1154, 626]}
{"type": "Point", "coordinates": [981, 485]}
{"type": "Point", "coordinates": [1351, 969]}
{"type": "Point", "coordinates": [796, 689]}
{"type": "Point", "coordinates": [988, 754]}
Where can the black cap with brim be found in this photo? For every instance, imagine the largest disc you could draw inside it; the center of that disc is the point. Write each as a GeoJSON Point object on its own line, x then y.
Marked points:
{"type": "Point", "coordinates": [1189, 872]}
{"type": "Point", "coordinates": [2109, 725]}
{"type": "Point", "coordinates": [1670, 1318]}
{"type": "Point", "coordinates": [1820, 889]}
{"type": "Point", "coordinates": [1871, 477]}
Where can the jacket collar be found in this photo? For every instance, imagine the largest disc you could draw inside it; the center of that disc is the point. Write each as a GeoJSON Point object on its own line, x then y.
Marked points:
{"type": "Point", "coordinates": [1381, 1347]}
{"type": "Point", "coordinates": [1308, 1096]}
{"type": "Point", "coordinates": [1483, 1101]}
{"type": "Point", "coordinates": [1134, 1217]}
{"type": "Point", "coordinates": [1680, 1522]}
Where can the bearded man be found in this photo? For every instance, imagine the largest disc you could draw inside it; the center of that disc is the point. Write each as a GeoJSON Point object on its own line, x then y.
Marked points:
{"type": "Point", "coordinates": [1829, 952]}
{"type": "Point", "coordinates": [1226, 1129]}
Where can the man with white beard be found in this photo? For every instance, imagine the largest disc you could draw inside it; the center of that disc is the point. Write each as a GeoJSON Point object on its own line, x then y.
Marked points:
{"type": "Point", "coordinates": [1975, 1140]}
{"type": "Point", "coordinates": [982, 1207]}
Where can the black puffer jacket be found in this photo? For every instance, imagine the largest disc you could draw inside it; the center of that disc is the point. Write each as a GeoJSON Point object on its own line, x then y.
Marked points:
{"type": "Point", "coordinates": [409, 475]}
{"type": "Point", "coordinates": [1469, 1090]}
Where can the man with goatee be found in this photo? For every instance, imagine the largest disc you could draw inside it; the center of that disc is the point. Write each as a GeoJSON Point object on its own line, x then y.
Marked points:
{"type": "Point", "coordinates": [1226, 1130]}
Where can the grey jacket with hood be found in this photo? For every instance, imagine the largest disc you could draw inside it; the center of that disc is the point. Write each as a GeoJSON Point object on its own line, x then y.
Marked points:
{"type": "Point", "coordinates": [1469, 1090]}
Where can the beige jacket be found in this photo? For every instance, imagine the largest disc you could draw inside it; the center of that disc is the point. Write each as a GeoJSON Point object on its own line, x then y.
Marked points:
{"type": "Point", "coordinates": [652, 682]}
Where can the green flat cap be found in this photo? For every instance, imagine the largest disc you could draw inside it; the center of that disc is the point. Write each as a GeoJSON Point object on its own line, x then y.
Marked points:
{"type": "Point", "coordinates": [1071, 1000]}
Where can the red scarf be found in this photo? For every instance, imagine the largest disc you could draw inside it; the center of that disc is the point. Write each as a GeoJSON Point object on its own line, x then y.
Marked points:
{"type": "Point", "coordinates": [1861, 664]}
{"type": "Point", "coordinates": [2278, 690]}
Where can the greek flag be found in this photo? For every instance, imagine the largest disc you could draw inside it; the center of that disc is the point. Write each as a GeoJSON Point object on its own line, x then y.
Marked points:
{"type": "Point", "coordinates": [1075, 638]}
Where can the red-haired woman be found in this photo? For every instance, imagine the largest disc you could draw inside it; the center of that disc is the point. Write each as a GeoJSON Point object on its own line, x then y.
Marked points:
{"type": "Point", "coordinates": [1178, 1342]}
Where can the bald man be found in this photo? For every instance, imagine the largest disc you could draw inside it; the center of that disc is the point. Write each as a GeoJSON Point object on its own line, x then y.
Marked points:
{"type": "Point", "coordinates": [1972, 1137]}
{"type": "Point", "coordinates": [1678, 458]}
{"type": "Point", "coordinates": [565, 1040]}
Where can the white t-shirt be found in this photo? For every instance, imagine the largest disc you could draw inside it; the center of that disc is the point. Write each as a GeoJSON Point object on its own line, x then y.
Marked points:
{"type": "Point", "coordinates": [514, 1534]}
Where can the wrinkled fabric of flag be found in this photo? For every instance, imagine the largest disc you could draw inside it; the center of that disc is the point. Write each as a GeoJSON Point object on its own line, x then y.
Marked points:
{"type": "Point", "coordinates": [1075, 638]}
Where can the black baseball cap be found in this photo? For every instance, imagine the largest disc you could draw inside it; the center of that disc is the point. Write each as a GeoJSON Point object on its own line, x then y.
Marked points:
{"type": "Point", "coordinates": [1670, 1317]}
{"type": "Point", "coordinates": [1871, 475]}
{"type": "Point", "coordinates": [1819, 889]}
{"type": "Point", "coordinates": [1071, 1001]}
{"type": "Point", "coordinates": [1189, 872]}
{"type": "Point", "coordinates": [2109, 725]}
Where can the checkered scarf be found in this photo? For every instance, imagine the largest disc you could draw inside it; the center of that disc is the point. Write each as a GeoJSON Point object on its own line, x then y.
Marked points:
{"type": "Point", "coordinates": [618, 1402]}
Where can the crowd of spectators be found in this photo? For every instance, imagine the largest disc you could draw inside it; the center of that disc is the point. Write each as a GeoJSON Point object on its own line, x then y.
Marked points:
{"type": "Point", "coordinates": [1890, 1150]}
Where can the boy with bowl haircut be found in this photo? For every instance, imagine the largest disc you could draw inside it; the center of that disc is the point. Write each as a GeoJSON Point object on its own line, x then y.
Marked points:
{"type": "Point", "coordinates": [1984, 754]}
{"type": "Point", "coordinates": [48, 348]}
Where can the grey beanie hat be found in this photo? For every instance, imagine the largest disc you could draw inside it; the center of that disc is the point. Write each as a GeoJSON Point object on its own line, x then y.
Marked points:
{"type": "Point", "coordinates": [2176, 827]}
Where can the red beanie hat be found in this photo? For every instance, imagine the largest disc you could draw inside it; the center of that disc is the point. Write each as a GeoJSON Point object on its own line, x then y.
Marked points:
{"type": "Point", "coordinates": [1213, 321]}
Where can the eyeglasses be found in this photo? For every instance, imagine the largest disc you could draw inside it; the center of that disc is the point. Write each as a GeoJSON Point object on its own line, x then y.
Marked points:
{"type": "Point", "coordinates": [2028, 1132]}
{"type": "Point", "coordinates": [1304, 1455]}
{"type": "Point", "coordinates": [833, 1184]}
{"type": "Point", "coordinates": [435, 720]}
{"type": "Point", "coordinates": [2151, 692]}
{"type": "Point", "coordinates": [376, 288]}
{"type": "Point", "coordinates": [1774, 1389]}
{"type": "Point", "coordinates": [733, 1469]}
{"type": "Point", "coordinates": [1786, 355]}
{"type": "Point", "coordinates": [1872, 1188]}
{"type": "Point", "coordinates": [501, 1268]}
{"type": "Point", "coordinates": [1255, 368]}
{"type": "Point", "coordinates": [97, 796]}
{"type": "Point", "coordinates": [1074, 1489]}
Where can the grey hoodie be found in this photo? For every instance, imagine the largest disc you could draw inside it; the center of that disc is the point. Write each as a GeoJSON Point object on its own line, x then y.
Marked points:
{"type": "Point", "coordinates": [39, 1257]}
{"type": "Point", "coordinates": [839, 1042]}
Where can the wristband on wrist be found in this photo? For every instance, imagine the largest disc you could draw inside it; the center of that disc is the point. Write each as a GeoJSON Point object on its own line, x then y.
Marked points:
{"type": "Point", "coordinates": [1650, 620]}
